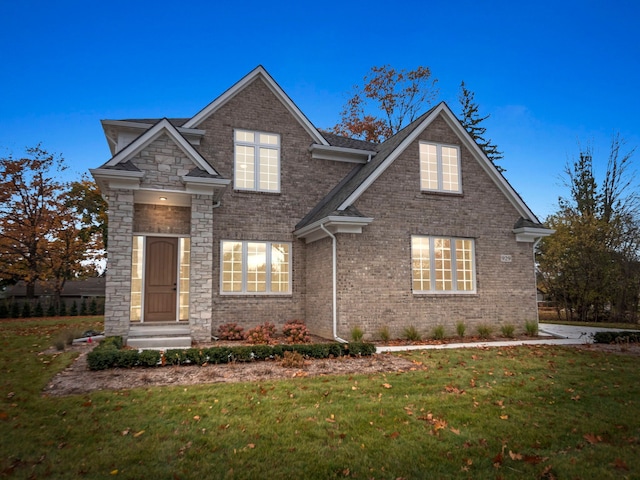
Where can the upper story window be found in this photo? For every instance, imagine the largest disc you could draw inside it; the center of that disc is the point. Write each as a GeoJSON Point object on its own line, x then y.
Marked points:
{"type": "Point", "coordinates": [440, 168]}
{"type": "Point", "coordinates": [443, 265]}
{"type": "Point", "coordinates": [257, 161]}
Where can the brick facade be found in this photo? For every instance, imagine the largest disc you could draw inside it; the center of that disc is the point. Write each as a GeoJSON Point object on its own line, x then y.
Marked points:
{"type": "Point", "coordinates": [374, 276]}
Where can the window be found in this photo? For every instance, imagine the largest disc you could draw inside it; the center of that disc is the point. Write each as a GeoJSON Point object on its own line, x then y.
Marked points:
{"type": "Point", "coordinates": [255, 268]}
{"type": "Point", "coordinates": [257, 161]}
{"type": "Point", "coordinates": [444, 265]}
{"type": "Point", "coordinates": [440, 168]}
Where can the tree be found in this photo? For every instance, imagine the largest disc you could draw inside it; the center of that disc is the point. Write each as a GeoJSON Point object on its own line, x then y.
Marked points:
{"type": "Point", "coordinates": [29, 198]}
{"type": "Point", "coordinates": [471, 120]}
{"type": "Point", "coordinates": [591, 265]}
{"type": "Point", "coordinates": [396, 97]}
{"type": "Point", "coordinates": [49, 231]}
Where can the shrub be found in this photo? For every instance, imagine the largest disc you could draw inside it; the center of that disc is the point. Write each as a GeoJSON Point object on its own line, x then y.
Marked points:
{"type": "Point", "coordinates": [149, 358]}
{"type": "Point", "coordinates": [296, 332]}
{"type": "Point", "coordinates": [230, 331]}
{"type": "Point", "coordinates": [484, 330]}
{"type": "Point", "coordinates": [38, 311]}
{"type": "Point", "coordinates": [531, 327]}
{"type": "Point", "coordinates": [73, 311]}
{"type": "Point", "coordinates": [384, 334]}
{"type": "Point", "coordinates": [438, 333]}
{"type": "Point", "coordinates": [51, 310]}
{"type": "Point", "coordinates": [356, 334]}
{"type": "Point", "coordinates": [62, 311]}
{"type": "Point", "coordinates": [613, 337]}
{"type": "Point", "coordinates": [507, 330]}
{"type": "Point", "coordinates": [15, 310]}
{"type": "Point", "coordinates": [83, 307]}
{"type": "Point", "coordinates": [93, 307]}
{"type": "Point", "coordinates": [461, 328]}
{"type": "Point", "coordinates": [361, 348]}
{"type": "Point", "coordinates": [411, 333]}
{"type": "Point", "coordinates": [102, 358]}
{"type": "Point", "coordinates": [26, 309]}
{"type": "Point", "coordinates": [262, 334]}
{"type": "Point", "coordinates": [292, 359]}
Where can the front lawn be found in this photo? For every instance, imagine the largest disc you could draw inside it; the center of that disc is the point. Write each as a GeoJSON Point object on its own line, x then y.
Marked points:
{"type": "Point", "coordinates": [521, 412]}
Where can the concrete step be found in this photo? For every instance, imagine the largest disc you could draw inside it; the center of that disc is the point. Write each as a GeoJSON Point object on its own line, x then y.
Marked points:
{"type": "Point", "coordinates": [159, 336]}
{"type": "Point", "coordinates": [159, 343]}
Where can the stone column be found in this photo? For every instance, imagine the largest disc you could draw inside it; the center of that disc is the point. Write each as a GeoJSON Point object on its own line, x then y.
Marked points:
{"type": "Point", "coordinates": [118, 284]}
{"type": "Point", "coordinates": [201, 275]}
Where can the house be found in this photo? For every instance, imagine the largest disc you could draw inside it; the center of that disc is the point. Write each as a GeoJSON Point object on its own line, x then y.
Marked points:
{"type": "Point", "coordinates": [78, 290]}
{"type": "Point", "coordinates": [247, 213]}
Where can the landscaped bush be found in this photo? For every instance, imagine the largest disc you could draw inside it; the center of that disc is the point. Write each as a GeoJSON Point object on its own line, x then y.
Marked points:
{"type": "Point", "coordinates": [438, 333]}
{"type": "Point", "coordinates": [262, 334]}
{"type": "Point", "coordinates": [461, 328]}
{"type": "Point", "coordinates": [357, 334]}
{"type": "Point", "coordinates": [295, 331]}
{"type": "Point", "coordinates": [508, 330]}
{"type": "Point", "coordinates": [411, 333]}
{"type": "Point", "coordinates": [531, 327]}
{"type": "Point", "coordinates": [384, 333]}
{"type": "Point", "coordinates": [109, 354]}
{"type": "Point", "coordinates": [613, 337]}
{"type": "Point", "coordinates": [484, 331]}
{"type": "Point", "coordinates": [230, 331]}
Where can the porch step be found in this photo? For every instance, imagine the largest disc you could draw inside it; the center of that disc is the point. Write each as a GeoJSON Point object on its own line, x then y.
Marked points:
{"type": "Point", "coordinates": [159, 336]}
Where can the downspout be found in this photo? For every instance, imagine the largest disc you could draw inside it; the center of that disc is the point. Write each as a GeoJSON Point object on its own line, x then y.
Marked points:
{"type": "Point", "coordinates": [535, 278]}
{"type": "Point", "coordinates": [335, 283]}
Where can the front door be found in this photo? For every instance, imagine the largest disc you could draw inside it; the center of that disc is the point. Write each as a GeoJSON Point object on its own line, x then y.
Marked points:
{"type": "Point", "coordinates": [161, 278]}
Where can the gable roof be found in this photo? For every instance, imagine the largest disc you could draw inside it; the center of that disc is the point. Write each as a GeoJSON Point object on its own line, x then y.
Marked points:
{"type": "Point", "coordinates": [257, 73]}
{"type": "Point", "coordinates": [362, 177]}
{"type": "Point", "coordinates": [163, 126]}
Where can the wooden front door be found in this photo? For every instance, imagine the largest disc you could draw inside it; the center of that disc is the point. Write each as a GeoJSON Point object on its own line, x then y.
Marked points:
{"type": "Point", "coordinates": [161, 276]}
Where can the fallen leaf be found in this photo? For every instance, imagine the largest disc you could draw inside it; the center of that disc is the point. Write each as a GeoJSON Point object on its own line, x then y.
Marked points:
{"type": "Point", "coordinates": [497, 460]}
{"type": "Point", "coordinates": [330, 420]}
{"type": "Point", "coordinates": [196, 418]}
{"type": "Point", "coordinates": [515, 456]}
{"type": "Point", "coordinates": [620, 464]}
{"type": "Point", "coordinates": [251, 445]}
{"type": "Point", "coordinates": [591, 438]}
{"type": "Point", "coordinates": [125, 432]}
{"type": "Point", "coordinates": [504, 417]}
{"type": "Point", "coordinates": [136, 435]}
{"type": "Point", "coordinates": [114, 472]}
{"type": "Point", "coordinates": [394, 435]}
{"type": "Point", "coordinates": [455, 430]}
{"type": "Point", "coordinates": [386, 385]}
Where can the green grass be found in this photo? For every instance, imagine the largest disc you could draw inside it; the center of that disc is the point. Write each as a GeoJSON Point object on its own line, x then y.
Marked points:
{"type": "Point", "coordinates": [513, 413]}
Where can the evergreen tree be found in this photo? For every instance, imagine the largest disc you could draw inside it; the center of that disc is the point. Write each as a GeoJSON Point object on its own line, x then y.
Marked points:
{"type": "Point", "coordinates": [62, 311]}
{"type": "Point", "coordinates": [38, 311]}
{"type": "Point", "coordinates": [74, 309]}
{"type": "Point", "coordinates": [471, 120]}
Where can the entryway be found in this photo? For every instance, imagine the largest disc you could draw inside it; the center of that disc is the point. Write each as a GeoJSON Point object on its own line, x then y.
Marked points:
{"type": "Point", "coordinates": [161, 279]}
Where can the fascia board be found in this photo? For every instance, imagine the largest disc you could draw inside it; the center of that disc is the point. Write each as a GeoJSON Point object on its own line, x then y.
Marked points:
{"type": "Point", "coordinates": [117, 178]}
{"type": "Point", "coordinates": [145, 126]}
{"type": "Point", "coordinates": [163, 126]}
{"type": "Point", "coordinates": [344, 154]}
{"type": "Point", "coordinates": [531, 234]}
{"type": "Point", "coordinates": [273, 86]}
{"type": "Point", "coordinates": [335, 224]}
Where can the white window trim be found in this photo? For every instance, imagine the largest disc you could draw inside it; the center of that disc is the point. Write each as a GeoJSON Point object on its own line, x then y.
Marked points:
{"type": "Point", "coordinates": [244, 291]}
{"type": "Point", "coordinates": [256, 160]}
{"type": "Point", "coordinates": [432, 266]}
{"type": "Point", "coordinates": [439, 167]}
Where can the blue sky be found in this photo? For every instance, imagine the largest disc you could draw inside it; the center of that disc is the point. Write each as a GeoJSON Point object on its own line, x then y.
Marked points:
{"type": "Point", "coordinates": [552, 75]}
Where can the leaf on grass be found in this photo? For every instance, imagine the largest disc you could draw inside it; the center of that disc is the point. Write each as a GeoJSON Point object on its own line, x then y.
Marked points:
{"type": "Point", "coordinates": [515, 456]}
{"type": "Point", "coordinates": [455, 430]}
{"type": "Point", "coordinates": [386, 385]}
{"type": "Point", "coordinates": [330, 420]}
{"type": "Point", "coordinates": [196, 418]}
{"type": "Point", "coordinates": [251, 445]}
{"type": "Point", "coordinates": [533, 459]}
{"type": "Point", "coordinates": [620, 464]}
{"type": "Point", "coordinates": [439, 424]}
{"type": "Point", "coordinates": [137, 434]}
{"type": "Point", "coordinates": [125, 432]}
{"type": "Point", "coordinates": [592, 439]}
{"type": "Point", "coordinates": [452, 389]}
{"type": "Point", "coordinates": [504, 417]}
{"type": "Point", "coordinates": [497, 460]}
{"type": "Point", "coordinates": [394, 435]}
{"type": "Point", "coordinates": [114, 472]}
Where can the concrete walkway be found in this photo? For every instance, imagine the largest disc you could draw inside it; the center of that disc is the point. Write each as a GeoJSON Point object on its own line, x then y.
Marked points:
{"type": "Point", "coordinates": [549, 334]}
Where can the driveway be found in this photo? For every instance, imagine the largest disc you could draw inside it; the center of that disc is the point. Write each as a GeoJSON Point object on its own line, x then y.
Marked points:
{"type": "Point", "coordinates": [584, 334]}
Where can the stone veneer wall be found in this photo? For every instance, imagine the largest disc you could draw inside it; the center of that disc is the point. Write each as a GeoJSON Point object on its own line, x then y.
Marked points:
{"type": "Point", "coordinates": [201, 281]}
{"type": "Point", "coordinates": [118, 284]}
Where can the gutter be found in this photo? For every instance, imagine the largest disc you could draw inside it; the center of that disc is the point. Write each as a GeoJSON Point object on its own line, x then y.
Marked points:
{"type": "Point", "coordinates": [335, 284]}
